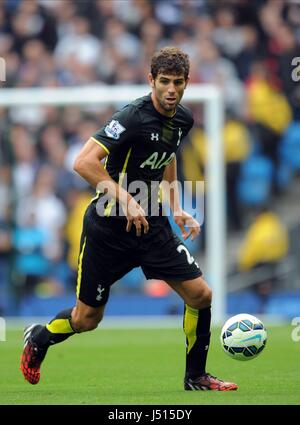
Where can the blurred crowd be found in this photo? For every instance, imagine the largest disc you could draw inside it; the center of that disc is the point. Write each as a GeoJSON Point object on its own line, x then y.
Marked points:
{"type": "Point", "coordinates": [246, 47]}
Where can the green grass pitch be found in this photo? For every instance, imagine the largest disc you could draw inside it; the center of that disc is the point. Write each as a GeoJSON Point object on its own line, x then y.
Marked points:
{"type": "Point", "coordinates": [136, 366]}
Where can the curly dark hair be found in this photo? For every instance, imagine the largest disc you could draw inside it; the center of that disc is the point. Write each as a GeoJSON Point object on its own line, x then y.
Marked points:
{"type": "Point", "coordinates": [170, 60]}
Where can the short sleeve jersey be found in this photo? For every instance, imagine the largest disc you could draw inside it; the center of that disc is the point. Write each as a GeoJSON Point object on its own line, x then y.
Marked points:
{"type": "Point", "coordinates": [141, 142]}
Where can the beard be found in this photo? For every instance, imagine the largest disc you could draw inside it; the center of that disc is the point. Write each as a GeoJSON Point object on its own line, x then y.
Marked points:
{"type": "Point", "coordinates": [168, 106]}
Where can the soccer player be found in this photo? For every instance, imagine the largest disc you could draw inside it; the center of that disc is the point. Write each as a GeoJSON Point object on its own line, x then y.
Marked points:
{"type": "Point", "coordinates": [139, 143]}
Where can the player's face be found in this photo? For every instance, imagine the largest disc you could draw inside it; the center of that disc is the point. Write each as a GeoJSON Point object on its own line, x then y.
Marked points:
{"type": "Point", "coordinates": [167, 91]}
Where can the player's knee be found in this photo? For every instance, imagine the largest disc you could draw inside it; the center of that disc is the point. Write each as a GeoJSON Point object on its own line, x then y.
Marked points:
{"type": "Point", "coordinates": [208, 297]}
{"type": "Point", "coordinates": [201, 298]}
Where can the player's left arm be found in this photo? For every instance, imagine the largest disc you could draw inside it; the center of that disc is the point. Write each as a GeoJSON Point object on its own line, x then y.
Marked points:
{"type": "Point", "coordinates": [181, 217]}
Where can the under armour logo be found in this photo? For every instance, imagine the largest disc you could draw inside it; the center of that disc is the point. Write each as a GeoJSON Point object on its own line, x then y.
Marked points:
{"type": "Point", "coordinates": [179, 136]}
{"type": "Point", "coordinates": [100, 290]}
{"type": "Point", "coordinates": [154, 136]}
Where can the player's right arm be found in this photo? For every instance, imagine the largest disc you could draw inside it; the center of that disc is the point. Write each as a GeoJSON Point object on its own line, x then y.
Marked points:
{"type": "Point", "coordinates": [88, 165]}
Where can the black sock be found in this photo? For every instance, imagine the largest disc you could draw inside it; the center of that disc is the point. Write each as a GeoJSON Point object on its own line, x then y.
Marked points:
{"type": "Point", "coordinates": [58, 330]}
{"type": "Point", "coordinates": [196, 327]}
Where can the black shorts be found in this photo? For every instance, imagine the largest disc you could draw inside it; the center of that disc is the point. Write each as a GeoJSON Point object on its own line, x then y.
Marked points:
{"type": "Point", "coordinates": [108, 252]}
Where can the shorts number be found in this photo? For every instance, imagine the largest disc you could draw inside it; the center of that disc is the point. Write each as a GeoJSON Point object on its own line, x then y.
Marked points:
{"type": "Point", "coordinates": [189, 257]}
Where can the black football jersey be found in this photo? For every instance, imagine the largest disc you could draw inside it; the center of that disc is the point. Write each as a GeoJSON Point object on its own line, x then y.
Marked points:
{"type": "Point", "coordinates": [141, 142]}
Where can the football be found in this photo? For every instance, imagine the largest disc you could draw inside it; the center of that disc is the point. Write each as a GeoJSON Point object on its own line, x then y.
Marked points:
{"type": "Point", "coordinates": [243, 337]}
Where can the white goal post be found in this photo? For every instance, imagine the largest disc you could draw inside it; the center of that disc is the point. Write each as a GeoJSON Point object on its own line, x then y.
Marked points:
{"type": "Point", "coordinates": [211, 97]}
